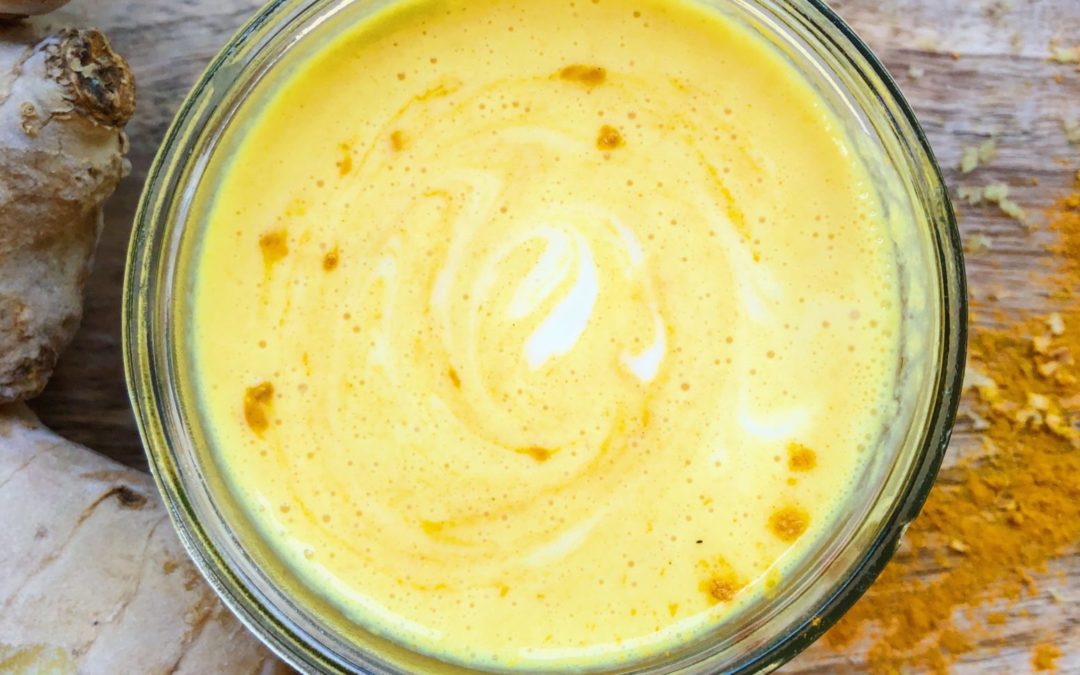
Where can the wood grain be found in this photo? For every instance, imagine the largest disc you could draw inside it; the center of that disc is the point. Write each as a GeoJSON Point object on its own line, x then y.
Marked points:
{"type": "Point", "coordinates": [970, 68]}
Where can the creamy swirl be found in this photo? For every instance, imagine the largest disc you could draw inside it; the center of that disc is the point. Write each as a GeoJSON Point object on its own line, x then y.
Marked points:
{"type": "Point", "coordinates": [482, 339]}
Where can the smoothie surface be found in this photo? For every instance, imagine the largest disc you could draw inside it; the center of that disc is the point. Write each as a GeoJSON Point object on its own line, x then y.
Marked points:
{"type": "Point", "coordinates": [539, 335]}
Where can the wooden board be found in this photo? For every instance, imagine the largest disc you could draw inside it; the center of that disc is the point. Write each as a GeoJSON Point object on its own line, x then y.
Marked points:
{"type": "Point", "coordinates": [970, 68]}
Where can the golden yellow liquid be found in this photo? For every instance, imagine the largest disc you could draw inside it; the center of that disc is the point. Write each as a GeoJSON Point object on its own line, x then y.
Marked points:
{"type": "Point", "coordinates": [544, 334]}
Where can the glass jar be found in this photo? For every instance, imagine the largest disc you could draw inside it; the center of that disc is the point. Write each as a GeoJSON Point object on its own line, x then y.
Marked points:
{"type": "Point", "coordinates": [312, 635]}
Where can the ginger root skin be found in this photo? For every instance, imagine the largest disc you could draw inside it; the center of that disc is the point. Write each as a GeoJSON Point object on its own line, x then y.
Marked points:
{"type": "Point", "coordinates": [64, 100]}
{"type": "Point", "coordinates": [93, 577]}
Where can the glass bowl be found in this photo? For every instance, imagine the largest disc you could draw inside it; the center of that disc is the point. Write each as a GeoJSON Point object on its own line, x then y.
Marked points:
{"type": "Point", "coordinates": [312, 635]}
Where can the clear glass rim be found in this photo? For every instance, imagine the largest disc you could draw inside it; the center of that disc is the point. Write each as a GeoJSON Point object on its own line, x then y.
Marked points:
{"type": "Point", "coordinates": [150, 388]}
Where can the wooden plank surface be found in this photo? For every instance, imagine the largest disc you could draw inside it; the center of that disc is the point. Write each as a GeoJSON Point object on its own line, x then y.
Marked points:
{"type": "Point", "coordinates": [970, 68]}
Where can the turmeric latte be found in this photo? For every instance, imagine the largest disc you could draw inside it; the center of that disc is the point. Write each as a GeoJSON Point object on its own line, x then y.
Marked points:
{"type": "Point", "coordinates": [539, 335]}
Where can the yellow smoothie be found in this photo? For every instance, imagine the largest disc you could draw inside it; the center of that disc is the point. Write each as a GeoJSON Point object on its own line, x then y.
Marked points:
{"type": "Point", "coordinates": [538, 335]}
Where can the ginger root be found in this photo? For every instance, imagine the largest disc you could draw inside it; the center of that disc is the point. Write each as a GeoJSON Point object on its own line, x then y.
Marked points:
{"type": "Point", "coordinates": [64, 101]}
{"type": "Point", "coordinates": [92, 577]}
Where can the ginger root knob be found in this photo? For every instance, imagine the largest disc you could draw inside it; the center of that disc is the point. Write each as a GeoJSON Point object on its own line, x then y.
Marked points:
{"type": "Point", "coordinates": [65, 100]}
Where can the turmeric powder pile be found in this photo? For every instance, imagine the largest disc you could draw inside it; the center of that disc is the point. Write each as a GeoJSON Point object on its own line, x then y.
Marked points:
{"type": "Point", "coordinates": [1000, 516]}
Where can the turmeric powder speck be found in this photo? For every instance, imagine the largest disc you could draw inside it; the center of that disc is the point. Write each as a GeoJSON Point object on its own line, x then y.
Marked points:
{"type": "Point", "coordinates": [331, 259]}
{"type": "Point", "coordinates": [801, 458]}
{"type": "Point", "coordinates": [256, 401]}
{"type": "Point", "coordinates": [789, 523]}
{"type": "Point", "coordinates": [590, 76]}
{"type": "Point", "coordinates": [721, 583]}
{"type": "Point", "coordinates": [536, 452]}
{"type": "Point", "coordinates": [1044, 657]}
{"type": "Point", "coordinates": [609, 138]}
{"type": "Point", "coordinates": [274, 246]}
{"type": "Point", "coordinates": [1000, 515]}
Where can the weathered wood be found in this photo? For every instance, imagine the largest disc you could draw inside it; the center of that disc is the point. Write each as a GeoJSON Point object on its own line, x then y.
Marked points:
{"type": "Point", "coordinates": [970, 68]}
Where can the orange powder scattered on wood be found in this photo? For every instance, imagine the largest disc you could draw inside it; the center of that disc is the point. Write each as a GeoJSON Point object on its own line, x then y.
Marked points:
{"type": "Point", "coordinates": [1066, 221]}
{"type": "Point", "coordinates": [1000, 515]}
{"type": "Point", "coordinates": [788, 523]}
{"type": "Point", "coordinates": [1044, 657]}
{"type": "Point", "coordinates": [996, 618]}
